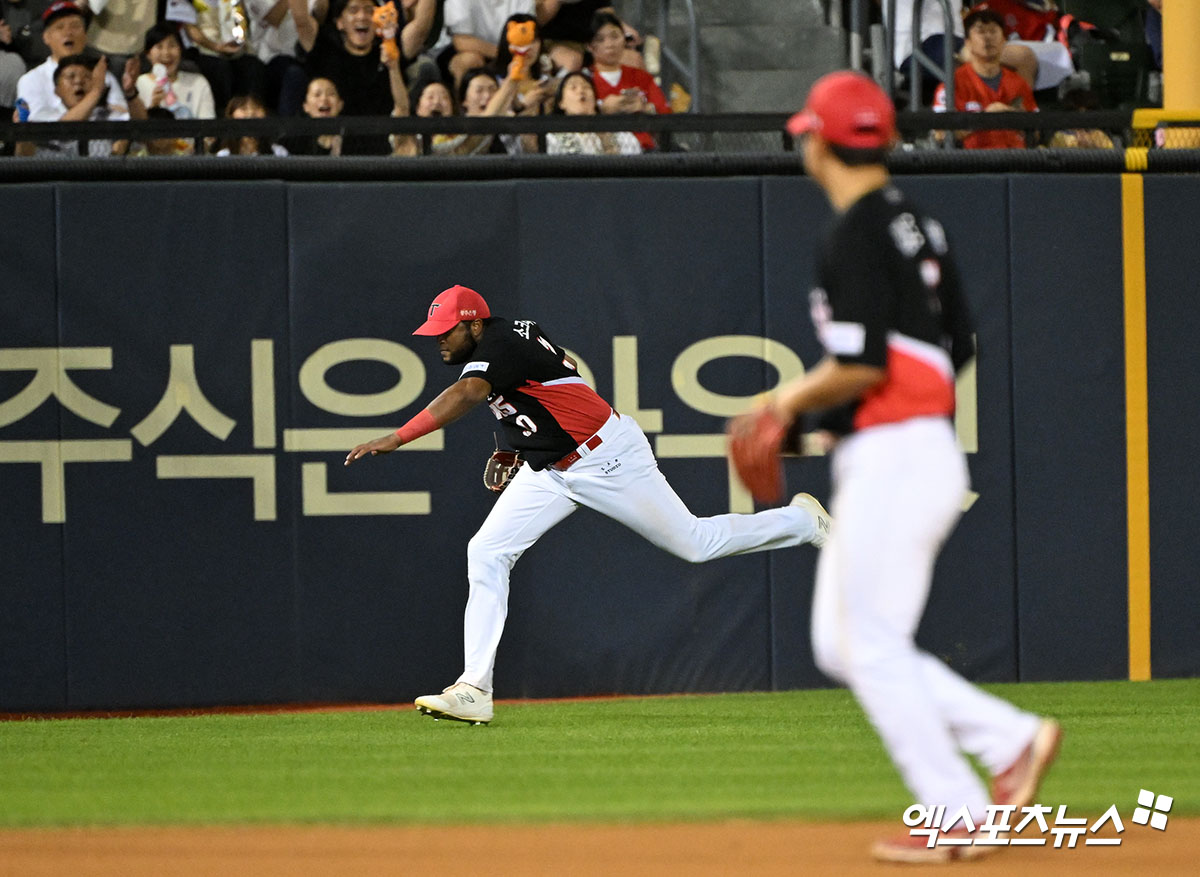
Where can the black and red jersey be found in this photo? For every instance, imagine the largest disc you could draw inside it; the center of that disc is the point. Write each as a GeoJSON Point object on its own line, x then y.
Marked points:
{"type": "Point", "coordinates": [889, 296]}
{"type": "Point", "coordinates": [546, 409]}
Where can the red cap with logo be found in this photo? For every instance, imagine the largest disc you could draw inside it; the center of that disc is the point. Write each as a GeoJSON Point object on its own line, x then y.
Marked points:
{"type": "Point", "coordinates": [847, 109]}
{"type": "Point", "coordinates": [451, 307]}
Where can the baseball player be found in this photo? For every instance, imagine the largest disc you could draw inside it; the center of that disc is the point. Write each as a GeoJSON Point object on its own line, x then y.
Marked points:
{"type": "Point", "coordinates": [577, 451]}
{"type": "Point", "coordinates": [889, 312]}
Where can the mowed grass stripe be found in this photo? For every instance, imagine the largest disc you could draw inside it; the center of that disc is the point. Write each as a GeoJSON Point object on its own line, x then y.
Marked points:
{"type": "Point", "coordinates": [796, 755]}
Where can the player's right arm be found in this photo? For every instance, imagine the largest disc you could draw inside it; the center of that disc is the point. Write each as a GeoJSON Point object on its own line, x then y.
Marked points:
{"type": "Point", "coordinates": [451, 404]}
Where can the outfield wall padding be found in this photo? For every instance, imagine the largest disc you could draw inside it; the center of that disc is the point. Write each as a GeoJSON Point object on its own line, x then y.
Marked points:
{"type": "Point", "coordinates": [1173, 325]}
{"type": "Point", "coordinates": [205, 545]}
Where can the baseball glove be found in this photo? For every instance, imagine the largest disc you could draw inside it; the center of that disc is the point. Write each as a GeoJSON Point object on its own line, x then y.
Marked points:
{"type": "Point", "coordinates": [755, 441]}
{"type": "Point", "coordinates": [501, 468]}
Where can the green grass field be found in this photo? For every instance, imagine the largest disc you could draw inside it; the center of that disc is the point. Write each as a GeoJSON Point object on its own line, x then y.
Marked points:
{"type": "Point", "coordinates": [807, 755]}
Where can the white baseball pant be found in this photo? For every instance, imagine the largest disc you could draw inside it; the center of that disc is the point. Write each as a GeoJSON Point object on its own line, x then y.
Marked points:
{"type": "Point", "coordinates": [620, 479]}
{"type": "Point", "coordinates": [897, 493]}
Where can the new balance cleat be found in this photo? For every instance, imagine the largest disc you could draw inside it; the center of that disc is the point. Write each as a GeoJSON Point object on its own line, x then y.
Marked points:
{"type": "Point", "coordinates": [821, 520]}
{"type": "Point", "coordinates": [953, 846]}
{"type": "Point", "coordinates": [460, 702]}
{"type": "Point", "coordinates": [1018, 783]}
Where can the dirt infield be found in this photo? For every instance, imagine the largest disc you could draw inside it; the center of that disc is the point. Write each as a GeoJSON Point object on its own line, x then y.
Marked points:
{"type": "Point", "coordinates": [695, 850]}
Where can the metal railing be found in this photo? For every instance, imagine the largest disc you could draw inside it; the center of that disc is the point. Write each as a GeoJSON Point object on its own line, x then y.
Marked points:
{"type": "Point", "coordinates": [760, 145]}
{"type": "Point", "coordinates": [689, 70]}
{"type": "Point", "coordinates": [883, 49]}
{"type": "Point", "coordinates": [919, 59]}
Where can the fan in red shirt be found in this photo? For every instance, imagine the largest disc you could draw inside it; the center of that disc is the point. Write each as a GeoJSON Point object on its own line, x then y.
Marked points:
{"type": "Point", "coordinates": [982, 85]}
{"type": "Point", "coordinates": [1026, 21]}
{"type": "Point", "coordinates": [621, 89]}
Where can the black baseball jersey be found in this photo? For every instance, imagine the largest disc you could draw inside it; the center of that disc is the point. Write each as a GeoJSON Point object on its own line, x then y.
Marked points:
{"type": "Point", "coordinates": [889, 296]}
{"type": "Point", "coordinates": [544, 406]}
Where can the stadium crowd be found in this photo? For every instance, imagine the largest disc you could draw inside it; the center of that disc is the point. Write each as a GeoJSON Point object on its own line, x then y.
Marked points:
{"type": "Point", "coordinates": [75, 60]}
{"type": "Point", "coordinates": [200, 59]}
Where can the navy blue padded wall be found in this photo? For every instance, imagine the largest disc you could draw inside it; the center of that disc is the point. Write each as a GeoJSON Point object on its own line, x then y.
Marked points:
{"type": "Point", "coordinates": [32, 639]}
{"type": "Point", "coordinates": [1069, 423]}
{"type": "Point", "coordinates": [175, 593]}
{"type": "Point", "coordinates": [1173, 324]}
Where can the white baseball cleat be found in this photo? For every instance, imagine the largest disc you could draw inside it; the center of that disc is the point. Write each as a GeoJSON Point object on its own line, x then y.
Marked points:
{"type": "Point", "coordinates": [461, 702]}
{"type": "Point", "coordinates": [821, 520]}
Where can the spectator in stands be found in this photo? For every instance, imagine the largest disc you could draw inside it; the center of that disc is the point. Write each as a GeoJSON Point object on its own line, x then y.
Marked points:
{"type": "Point", "coordinates": [935, 45]}
{"type": "Point", "coordinates": [576, 96]}
{"type": "Point", "coordinates": [421, 29]}
{"type": "Point", "coordinates": [80, 83]}
{"type": "Point", "coordinates": [568, 30]}
{"type": "Point", "coordinates": [273, 40]}
{"type": "Point", "coordinates": [247, 106]}
{"type": "Point", "coordinates": [64, 34]}
{"type": "Point", "coordinates": [370, 82]}
{"type": "Point", "coordinates": [221, 34]}
{"type": "Point", "coordinates": [118, 26]}
{"type": "Point", "coordinates": [983, 84]}
{"type": "Point", "coordinates": [472, 26]}
{"type": "Point", "coordinates": [185, 94]}
{"type": "Point", "coordinates": [1033, 27]}
{"type": "Point", "coordinates": [24, 20]}
{"type": "Point", "coordinates": [12, 68]}
{"type": "Point", "coordinates": [621, 89]}
{"type": "Point", "coordinates": [535, 88]}
{"type": "Point", "coordinates": [479, 95]}
{"type": "Point", "coordinates": [162, 145]}
{"type": "Point", "coordinates": [321, 101]}
{"type": "Point", "coordinates": [430, 99]}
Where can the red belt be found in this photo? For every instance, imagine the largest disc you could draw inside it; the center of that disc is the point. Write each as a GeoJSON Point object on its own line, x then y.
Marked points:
{"type": "Point", "coordinates": [574, 457]}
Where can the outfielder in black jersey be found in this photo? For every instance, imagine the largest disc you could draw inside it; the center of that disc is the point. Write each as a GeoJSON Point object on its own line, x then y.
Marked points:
{"type": "Point", "coordinates": [544, 406]}
{"type": "Point", "coordinates": [890, 314]}
{"type": "Point", "coordinates": [579, 452]}
{"type": "Point", "coordinates": [888, 297]}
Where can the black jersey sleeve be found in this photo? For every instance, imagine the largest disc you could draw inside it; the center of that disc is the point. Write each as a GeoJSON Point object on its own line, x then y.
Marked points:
{"type": "Point", "coordinates": [956, 316]}
{"type": "Point", "coordinates": [856, 280]}
{"type": "Point", "coordinates": [499, 358]}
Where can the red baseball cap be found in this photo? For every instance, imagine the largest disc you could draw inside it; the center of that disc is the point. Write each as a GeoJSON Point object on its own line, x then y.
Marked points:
{"type": "Point", "coordinates": [58, 10]}
{"type": "Point", "coordinates": [451, 307]}
{"type": "Point", "coordinates": [847, 109]}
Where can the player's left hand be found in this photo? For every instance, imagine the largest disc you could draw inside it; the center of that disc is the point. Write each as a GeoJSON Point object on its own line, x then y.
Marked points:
{"type": "Point", "coordinates": [383, 445]}
{"type": "Point", "coordinates": [755, 441]}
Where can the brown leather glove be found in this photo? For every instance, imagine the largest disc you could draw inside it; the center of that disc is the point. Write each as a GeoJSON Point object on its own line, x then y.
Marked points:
{"type": "Point", "coordinates": [501, 468]}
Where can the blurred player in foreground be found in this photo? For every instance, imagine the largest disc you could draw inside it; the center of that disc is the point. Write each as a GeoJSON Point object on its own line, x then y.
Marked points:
{"type": "Point", "coordinates": [889, 312]}
{"type": "Point", "coordinates": [577, 451]}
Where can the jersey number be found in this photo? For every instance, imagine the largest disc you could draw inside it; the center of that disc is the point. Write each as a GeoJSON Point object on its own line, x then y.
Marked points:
{"type": "Point", "coordinates": [503, 409]}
